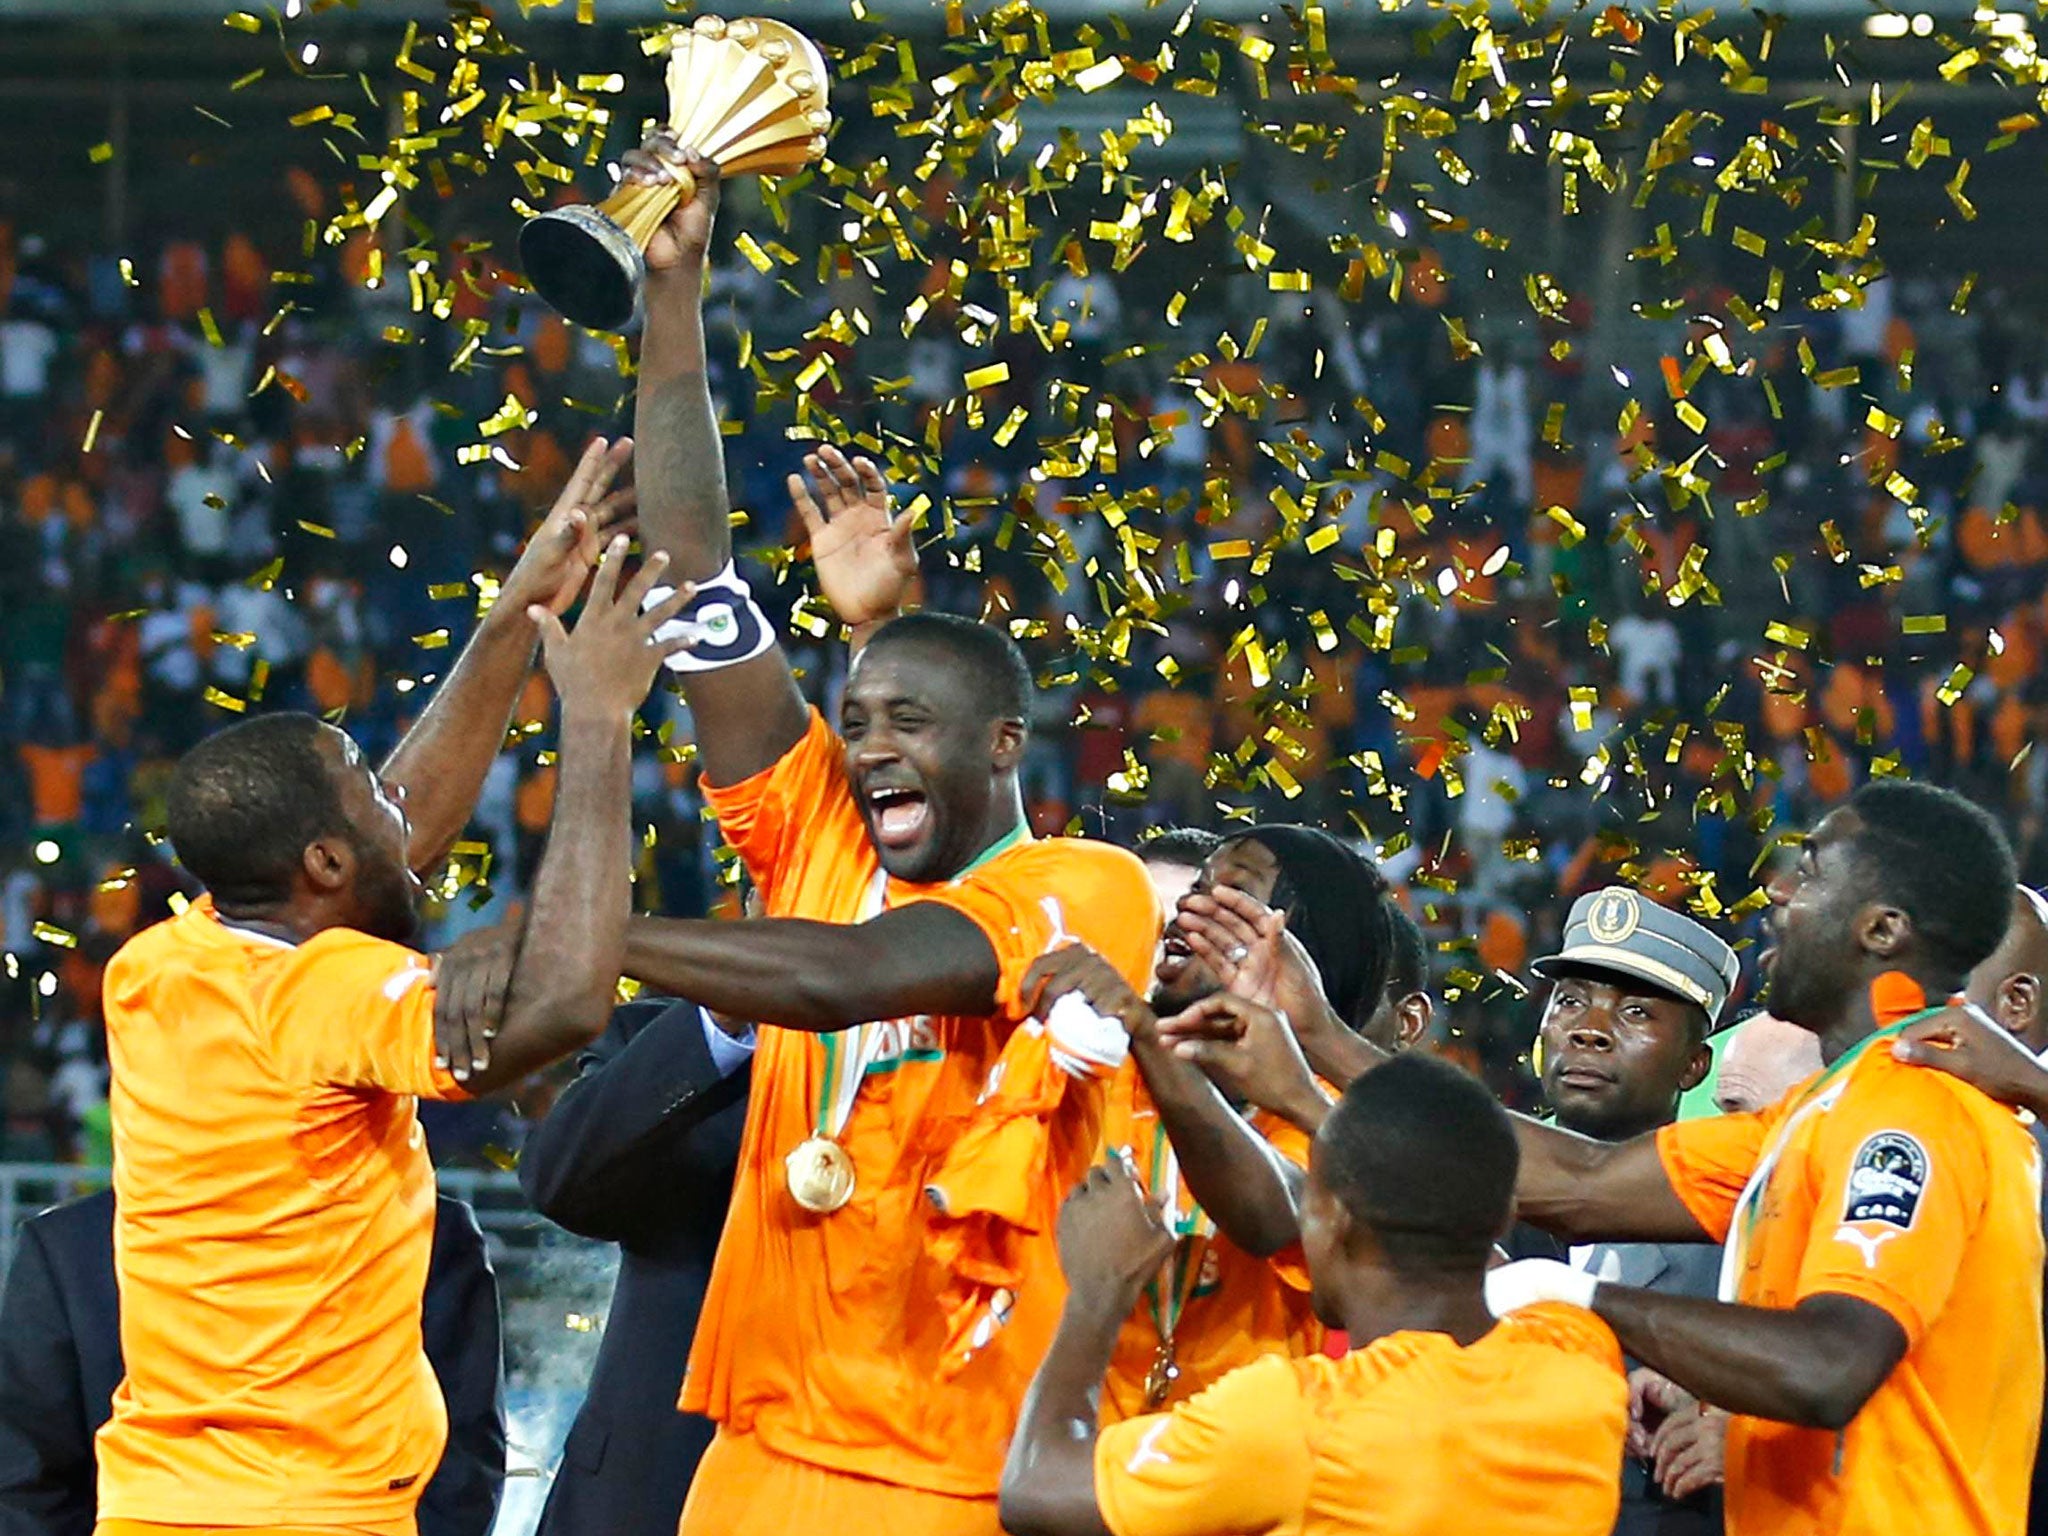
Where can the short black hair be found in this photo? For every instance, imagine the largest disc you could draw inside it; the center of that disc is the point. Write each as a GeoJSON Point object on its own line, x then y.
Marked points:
{"type": "Point", "coordinates": [1180, 847]}
{"type": "Point", "coordinates": [1419, 1154]}
{"type": "Point", "coordinates": [997, 667]}
{"type": "Point", "coordinates": [246, 801]}
{"type": "Point", "coordinates": [1408, 953]}
{"type": "Point", "coordinates": [1941, 860]}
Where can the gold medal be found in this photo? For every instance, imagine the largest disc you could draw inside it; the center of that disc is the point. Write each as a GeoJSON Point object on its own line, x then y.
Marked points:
{"type": "Point", "coordinates": [820, 1175]}
{"type": "Point", "coordinates": [1160, 1379]}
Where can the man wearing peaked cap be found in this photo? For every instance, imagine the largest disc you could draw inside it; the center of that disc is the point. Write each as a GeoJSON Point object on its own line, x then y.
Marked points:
{"type": "Point", "coordinates": [1636, 988]}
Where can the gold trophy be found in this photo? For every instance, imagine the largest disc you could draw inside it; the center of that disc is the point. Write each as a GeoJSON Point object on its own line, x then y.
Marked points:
{"type": "Point", "coordinates": [749, 95]}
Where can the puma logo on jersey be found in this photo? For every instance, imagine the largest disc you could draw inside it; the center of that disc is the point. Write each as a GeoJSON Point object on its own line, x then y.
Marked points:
{"type": "Point", "coordinates": [1865, 1243]}
{"type": "Point", "coordinates": [1147, 1450]}
{"type": "Point", "coordinates": [404, 981]}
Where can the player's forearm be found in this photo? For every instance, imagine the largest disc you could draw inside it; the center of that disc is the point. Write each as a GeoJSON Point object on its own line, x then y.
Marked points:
{"type": "Point", "coordinates": [815, 976]}
{"type": "Point", "coordinates": [441, 763]}
{"type": "Point", "coordinates": [1584, 1190]}
{"type": "Point", "coordinates": [679, 457]}
{"type": "Point", "coordinates": [574, 947]}
{"type": "Point", "coordinates": [1233, 1172]}
{"type": "Point", "coordinates": [1339, 1054]}
{"type": "Point", "coordinates": [1049, 1480]}
{"type": "Point", "coordinates": [1815, 1364]}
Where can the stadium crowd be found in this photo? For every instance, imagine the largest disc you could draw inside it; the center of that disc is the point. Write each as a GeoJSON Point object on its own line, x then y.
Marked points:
{"type": "Point", "coordinates": [166, 439]}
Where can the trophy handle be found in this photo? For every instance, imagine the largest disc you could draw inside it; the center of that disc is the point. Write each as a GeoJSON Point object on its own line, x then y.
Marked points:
{"type": "Point", "coordinates": [640, 210]}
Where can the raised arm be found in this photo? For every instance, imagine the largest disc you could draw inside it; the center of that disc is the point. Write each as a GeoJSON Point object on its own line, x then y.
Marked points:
{"type": "Point", "coordinates": [1111, 1242]}
{"type": "Point", "coordinates": [440, 765]}
{"type": "Point", "coordinates": [1238, 1177]}
{"type": "Point", "coordinates": [574, 943]}
{"type": "Point", "coordinates": [915, 959]}
{"type": "Point", "coordinates": [749, 713]}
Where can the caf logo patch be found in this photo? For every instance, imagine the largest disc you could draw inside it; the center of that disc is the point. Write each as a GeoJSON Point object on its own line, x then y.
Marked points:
{"type": "Point", "coordinates": [1886, 1181]}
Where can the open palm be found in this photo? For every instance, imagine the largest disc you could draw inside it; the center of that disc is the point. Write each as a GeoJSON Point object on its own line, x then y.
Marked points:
{"type": "Point", "coordinates": [866, 559]}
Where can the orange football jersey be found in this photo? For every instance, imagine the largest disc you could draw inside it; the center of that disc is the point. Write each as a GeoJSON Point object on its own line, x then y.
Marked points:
{"type": "Point", "coordinates": [1520, 1431]}
{"type": "Point", "coordinates": [274, 1213]}
{"type": "Point", "coordinates": [894, 1338]}
{"type": "Point", "coordinates": [1909, 1190]}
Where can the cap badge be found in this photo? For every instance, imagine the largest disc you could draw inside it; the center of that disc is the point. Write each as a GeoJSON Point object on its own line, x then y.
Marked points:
{"type": "Point", "coordinates": [1614, 917]}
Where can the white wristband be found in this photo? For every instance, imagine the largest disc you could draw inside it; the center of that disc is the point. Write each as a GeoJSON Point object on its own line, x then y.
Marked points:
{"type": "Point", "coordinates": [1085, 1043]}
{"type": "Point", "coordinates": [1529, 1281]}
{"type": "Point", "coordinates": [723, 624]}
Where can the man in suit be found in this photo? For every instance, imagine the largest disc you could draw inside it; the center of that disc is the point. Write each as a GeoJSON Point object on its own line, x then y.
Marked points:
{"type": "Point", "coordinates": [640, 1150]}
{"type": "Point", "coordinates": [60, 1361]}
{"type": "Point", "coordinates": [1635, 991]}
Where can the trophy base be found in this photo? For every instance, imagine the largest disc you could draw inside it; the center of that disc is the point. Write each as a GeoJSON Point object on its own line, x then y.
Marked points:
{"type": "Point", "coordinates": [586, 267]}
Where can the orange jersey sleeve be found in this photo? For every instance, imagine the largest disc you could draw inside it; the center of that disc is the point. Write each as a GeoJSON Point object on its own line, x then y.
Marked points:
{"type": "Point", "coordinates": [358, 1012]}
{"type": "Point", "coordinates": [793, 814]}
{"type": "Point", "coordinates": [1902, 1179]}
{"type": "Point", "coordinates": [1235, 1458]}
{"type": "Point", "coordinates": [1053, 892]}
{"type": "Point", "coordinates": [1709, 1160]}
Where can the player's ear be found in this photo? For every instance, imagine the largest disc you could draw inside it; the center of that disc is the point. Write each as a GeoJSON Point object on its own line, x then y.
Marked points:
{"type": "Point", "coordinates": [1882, 931]}
{"type": "Point", "coordinates": [1006, 743]}
{"type": "Point", "coordinates": [1412, 1017]}
{"type": "Point", "coordinates": [329, 863]}
{"type": "Point", "coordinates": [2018, 1003]}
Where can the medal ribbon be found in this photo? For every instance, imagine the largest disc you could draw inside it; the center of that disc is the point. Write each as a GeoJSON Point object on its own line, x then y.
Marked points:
{"type": "Point", "coordinates": [850, 1052]}
{"type": "Point", "coordinates": [1180, 1269]}
{"type": "Point", "coordinates": [1819, 1096]}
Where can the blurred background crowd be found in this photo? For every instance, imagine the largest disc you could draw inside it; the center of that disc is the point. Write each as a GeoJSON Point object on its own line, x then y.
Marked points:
{"type": "Point", "coordinates": [276, 513]}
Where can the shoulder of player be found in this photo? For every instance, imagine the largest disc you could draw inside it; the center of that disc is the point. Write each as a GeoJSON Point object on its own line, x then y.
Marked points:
{"type": "Point", "coordinates": [374, 961]}
{"type": "Point", "coordinates": [1070, 857]}
{"type": "Point", "coordinates": [1559, 1326]}
{"type": "Point", "coordinates": [1886, 1085]}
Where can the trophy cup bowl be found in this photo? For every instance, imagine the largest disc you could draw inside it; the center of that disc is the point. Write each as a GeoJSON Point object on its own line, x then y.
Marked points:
{"type": "Point", "coordinates": [748, 94]}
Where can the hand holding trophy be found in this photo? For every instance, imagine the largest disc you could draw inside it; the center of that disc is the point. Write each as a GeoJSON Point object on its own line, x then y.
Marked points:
{"type": "Point", "coordinates": [750, 96]}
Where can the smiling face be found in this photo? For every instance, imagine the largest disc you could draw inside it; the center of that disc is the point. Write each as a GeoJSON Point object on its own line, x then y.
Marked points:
{"type": "Point", "coordinates": [384, 894]}
{"type": "Point", "coordinates": [1617, 1054]}
{"type": "Point", "coordinates": [928, 763]}
{"type": "Point", "coordinates": [1182, 980]}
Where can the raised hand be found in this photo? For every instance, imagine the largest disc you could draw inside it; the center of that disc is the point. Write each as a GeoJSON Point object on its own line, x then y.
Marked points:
{"type": "Point", "coordinates": [686, 233]}
{"type": "Point", "coordinates": [1112, 1239]}
{"type": "Point", "coordinates": [564, 549]}
{"type": "Point", "coordinates": [866, 559]}
{"type": "Point", "coordinates": [1963, 1041]}
{"type": "Point", "coordinates": [1249, 1052]}
{"type": "Point", "coordinates": [1247, 947]}
{"type": "Point", "coordinates": [607, 663]}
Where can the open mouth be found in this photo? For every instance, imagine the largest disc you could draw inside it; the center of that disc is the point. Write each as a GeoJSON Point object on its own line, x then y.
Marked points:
{"type": "Point", "coordinates": [899, 816]}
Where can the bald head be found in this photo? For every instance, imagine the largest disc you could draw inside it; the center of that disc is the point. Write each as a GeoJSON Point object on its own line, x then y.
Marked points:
{"type": "Point", "coordinates": [1763, 1059]}
{"type": "Point", "coordinates": [2008, 984]}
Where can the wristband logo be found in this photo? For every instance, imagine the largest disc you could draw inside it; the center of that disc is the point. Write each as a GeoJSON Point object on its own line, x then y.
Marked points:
{"type": "Point", "coordinates": [723, 625]}
{"type": "Point", "coordinates": [728, 627]}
